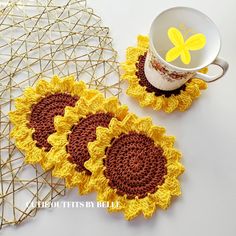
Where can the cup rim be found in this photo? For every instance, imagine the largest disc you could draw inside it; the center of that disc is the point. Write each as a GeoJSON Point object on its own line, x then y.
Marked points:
{"type": "Point", "coordinates": [177, 67]}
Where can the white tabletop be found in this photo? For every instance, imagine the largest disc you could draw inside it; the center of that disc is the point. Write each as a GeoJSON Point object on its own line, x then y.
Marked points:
{"type": "Point", "coordinates": [205, 134]}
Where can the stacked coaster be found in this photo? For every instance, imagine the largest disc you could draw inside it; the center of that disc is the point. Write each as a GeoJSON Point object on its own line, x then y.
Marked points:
{"type": "Point", "coordinates": [35, 112]}
{"type": "Point", "coordinates": [95, 144]}
{"type": "Point", "coordinates": [133, 163]}
{"type": "Point", "coordinates": [147, 95]}
{"type": "Point", "coordinates": [74, 131]}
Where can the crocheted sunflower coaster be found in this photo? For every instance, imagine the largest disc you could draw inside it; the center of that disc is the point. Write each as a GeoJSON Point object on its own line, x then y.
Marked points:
{"type": "Point", "coordinates": [134, 164]}
{"type": "Point", "coordinates": [148, 95]}
{"type": "Point", "coordinates": [74, 131]}
{"type": "Point", "coordinates": [35, 112]}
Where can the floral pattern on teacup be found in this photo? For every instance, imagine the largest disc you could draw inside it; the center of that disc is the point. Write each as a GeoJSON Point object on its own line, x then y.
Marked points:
{"type": "Point", "coordinates": [166, 73]}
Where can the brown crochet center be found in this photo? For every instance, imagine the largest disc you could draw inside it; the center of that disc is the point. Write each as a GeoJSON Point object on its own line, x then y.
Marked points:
{"type": "Point", "coordinates": [135, 166]}
{"type": "Point", "coordinates": [83, 133]}
{"type": "Point", "coordinates": [145, 83]}
{"type": "Point", "coordinates": [43, 113]}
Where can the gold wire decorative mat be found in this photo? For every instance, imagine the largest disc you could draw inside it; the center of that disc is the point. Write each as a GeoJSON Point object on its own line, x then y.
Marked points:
{"type": "Point", "coordinates": [40, 38]}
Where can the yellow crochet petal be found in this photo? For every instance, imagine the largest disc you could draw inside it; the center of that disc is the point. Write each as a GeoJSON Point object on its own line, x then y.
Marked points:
{"type": "Point", "coordinates": [143, 125]}
{"type": "Point", "coordinates": [104, 135]}
{"type": "Point", "coordinates": [108, 194]}
{"type": "Point", "coordinates": [193, 90]}
{"type": "Point", "coordinates": [148, 208]}
{"type": "Point", "coordinates": [200, 83]}
{"type": "Point", "coordinates": [170, 104]}
{"type": "Point", "coordinates": [143, 41]}
{"type": "Point", "coordinates": [172, 155]}
{"type": "Point", "coordinates": [156, 132]}
{"type": "Point", "coordinates": [62, 124]}
{"type": "Point", "coordinates": [45, 163]}
{"type": "Point", "coordinates": [126, 124]}
{"type": "Point", "coordinates": [78, 88]}
{"type": "Point", "coordinates": [162, 197]}
{"type": "Point", "coordinates": [96, 103]}
{"type": "Point", "coordinates": [98, 180]}
{"type": "Point", "coordinates": [57, 156]}
{"type": "Point", "coordinates": [63, 170]}
{"type": "Point", "coordinates": [30, 97]}
{"type": "Point", "coordinates": [20, 132]}
{"type": "Point", "coordinates": [136, 91]}
{"type": "Point", "coordinates": [132, 54]}
{"type": "Point", "coordinates": [81, 109]}
{"type": "Point", "coordinates": [17, 116]}
{"type": "Point", "coordinates": [184, 101]}
{"type": "Point", "coordinates": [173, 186]}
{"type": "Point", "coordinates": [127, 71]}
{"type": "Point", "coordinates": [67, 84]}
{"type": "Point", "coordinates": [89, 94]}
{"type": "Point", "coordinates": [23, 136]}
{"type": "Point", "coordinates": [55, 81]}
{"type": "Point", "coordinates": [43, 87]}
{"type": "Point", "coordinates": [166, 142]}
{"type": "Point", "coordinates": [148, 99]}
{"type": "Point", "coordinates": [175, 169]}
{"type": "Point", "coordinates": [84, 186]}
{"type": "Point", "coordinates": [94, 150]}
{"type": "Point", "coordinates": [71, 114]}
{"type": "Point", "coordinates": [74, 179]}
{"type": "Point", "coordinates": [34, 155]}
{"type": "Point", "coordinates": [159, 103]}
{"type": "Point", "coordinates": [132, 210]}
{"type": "Point", "coordinates": [22, 105]}
{"type": "Point", "coordinates": [78, 179]}
{"type": "Point", "coordinates": [134, 207]}
{"type": "Point", "coordinates": [112, 105]}
{"type": "Point", "coordinates": [58, 139]}
{"type": "Point", "coordinates": [117, 204]}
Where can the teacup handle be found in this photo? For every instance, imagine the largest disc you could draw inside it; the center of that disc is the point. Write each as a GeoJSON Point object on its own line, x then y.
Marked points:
{"type": "Point", "coordinates": [211, 78]}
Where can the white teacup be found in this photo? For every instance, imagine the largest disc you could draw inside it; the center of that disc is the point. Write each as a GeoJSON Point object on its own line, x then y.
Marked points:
{"type": "Point", "coordinates": [170, 76]}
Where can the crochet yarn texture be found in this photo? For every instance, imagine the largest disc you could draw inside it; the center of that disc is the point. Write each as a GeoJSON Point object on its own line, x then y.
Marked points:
{"type": "Point", "coordinates": [140, 89]}
{"type": "Point", "coordinates": [135, 164]}
{"type": "Point", "coordinates": [35, 112]}
{"type": "Point", "coordinates": [43, 113]}
{"type": "Point", "coordinates": [74, 131]}
{"type": "Point", "coordinates": [83, 133]}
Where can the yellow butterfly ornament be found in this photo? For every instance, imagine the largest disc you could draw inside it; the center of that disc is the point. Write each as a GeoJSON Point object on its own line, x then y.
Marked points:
{"type": "Point", "coordinates": [181, 48]}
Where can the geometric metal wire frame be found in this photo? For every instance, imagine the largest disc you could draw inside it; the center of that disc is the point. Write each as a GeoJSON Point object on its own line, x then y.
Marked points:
{"type": "Point", "coordinates": [37, 40]}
